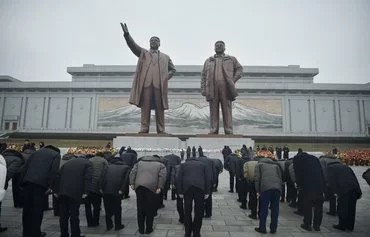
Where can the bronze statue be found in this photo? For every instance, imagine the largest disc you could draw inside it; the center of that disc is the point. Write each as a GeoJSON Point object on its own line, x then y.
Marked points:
{"type": "Point", "coordinates": [219, 75]}
{"type": "Point", "coordinates": [150, 84]}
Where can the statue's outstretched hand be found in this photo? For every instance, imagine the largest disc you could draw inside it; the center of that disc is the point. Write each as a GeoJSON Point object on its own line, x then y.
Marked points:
{"type": "Point", "coordinates": [124, 27]}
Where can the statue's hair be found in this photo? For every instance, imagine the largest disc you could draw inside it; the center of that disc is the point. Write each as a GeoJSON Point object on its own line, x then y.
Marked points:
{"type": "Point", "coordinates": [220, 41]}
{"type": "Point", "coordinates": [155, 37]}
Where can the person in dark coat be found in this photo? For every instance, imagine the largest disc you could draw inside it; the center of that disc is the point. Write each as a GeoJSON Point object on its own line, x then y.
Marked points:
{"type": "Point", "coordinates": [243, 184]}
{"type": "Point", "coordinates": [114, 181]}
{"type": "Point", "coordinates": [147, 178]}
{"type": "Point", "coordinates": [200, 151]}
{"type": "Point", "coordinates": [312, 188]}
{"type": "Point", "coordinates": [194, 152]}
{"type": "Point", "coordinates": [14, 162]}
{"type": "Point", "coordinates": [249, 174]}
{"type": "Point", "coordinates": [278, 151]}
{"type": "Point", "coordinates": [121, 150]}
{"type": "Point", "coordinates": [182, 153]}
{"type": "Point", "coordinates": [188, 152]}
{"type": "Point", "coordinates": [26, 145]}
{"type": "Point", "coordinates": [211, 174]}
{"type": "Point", "coordinates": [172, 160]}
{"type": "Point", "coordinates": [193, 185]}
{"type": "Point", "coordinates": [344, 183]}
{"type": "Point", "coordinates": [94, 198]}
{"type": "Point", "coordinates": [329, 195]}
{"type": "Point", "coordinates": [285, 152]}
{"type": "Point", "coordinates": [219, 169]}
{"type": "Point", "coordinates": [160, 195]}
{"type": "Point", "coordinates": [37, 179]}
{"type": "Point", "coordinates": [66, 158]}
{"type": "Point", "coordinates": [281, 164]}
{"type": "Point", "coordinates": [129, 158]}
{"type": "Point", "coordinates": [229, 161]}
{"type": "Point", "coordinates": [179, 199]}
{"type": "Point", "coordinates": [224, 152]}
{"type": "Point", "coordinates": [291, 193]}
{"type": "Point", "coordinates": [73, 187]}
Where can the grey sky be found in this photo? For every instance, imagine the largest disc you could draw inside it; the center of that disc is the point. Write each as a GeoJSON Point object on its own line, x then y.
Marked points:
{"type": "Point", "coordinates": [39, 39]}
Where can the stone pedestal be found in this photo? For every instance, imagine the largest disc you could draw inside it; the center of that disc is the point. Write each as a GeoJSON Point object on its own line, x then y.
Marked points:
{"type": "Point", "coordinates": [150, 144]}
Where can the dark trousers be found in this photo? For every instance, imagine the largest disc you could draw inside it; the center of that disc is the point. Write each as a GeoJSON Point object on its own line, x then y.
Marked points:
{"type": "Point", "coordinates": [282, 196]}
{"type": "Point", "coordinates": [208, 205]}
{"type": "Point", "coordinates": [232, 177]}
{"type": "Point", "coordinates": [300, 203]}
{"type": "Point", "coordinates": [332, 200]}
{"type": "Point", "coordinates": [112, 206]}
{"type": "Point", "coordinates": [243, 192]}
{"type": "Point", "coordinates": [69, 209]}
{"type": "Point", "coordinates": [56, 206]}
{"type": "Point", "coordinates": [33, 209]}
{"type": "Point", "coordinates": [252, 204]}
{"type": "Point", "coordinates": [160, 199]}
{"type": "Point", "coordinates": [216, 183]}
{"type": "Point", "coordinates": [93, 201]}
{"type": "Point", "coordinates": [312, 200]}
{"type": "Point", "coordinates": [173, 194]}
{"type": "Point", "coordinates": [126, 190]}
{"type": "Point", "coordinates": [271, 197]}
{"type": "Point", "coordinates": [46, 203]}
{"type": "Point", "coordinates": [17, 191]}
{"type": "Point", "coordinates": [145, 208]}
{"type": "Point", "coordinates": [291, 195]}
{"type": "Point", "coordinates": [180, 206]}
{"type": "Point", "coordinates": [193, 226]}
{"type": "Point", "coordinates": [347, 209]}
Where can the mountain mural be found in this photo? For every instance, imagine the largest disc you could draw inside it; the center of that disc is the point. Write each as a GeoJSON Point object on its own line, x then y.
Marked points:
{"type": "Point", "coordinates": [191, 117]}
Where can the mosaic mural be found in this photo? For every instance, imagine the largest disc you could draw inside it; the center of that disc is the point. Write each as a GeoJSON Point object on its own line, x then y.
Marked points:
{"type": "Point", "coordinates": [191, 116]}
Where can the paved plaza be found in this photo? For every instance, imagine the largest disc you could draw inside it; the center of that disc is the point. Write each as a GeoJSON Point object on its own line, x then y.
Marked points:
{"type": "Point", "coordinates": [228, 219]}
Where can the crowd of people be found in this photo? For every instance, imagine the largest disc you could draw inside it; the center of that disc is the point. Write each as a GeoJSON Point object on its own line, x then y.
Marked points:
{"type": "Point", "coordinates": [303, 181]}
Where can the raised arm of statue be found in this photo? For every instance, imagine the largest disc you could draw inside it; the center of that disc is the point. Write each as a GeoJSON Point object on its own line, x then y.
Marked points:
{"type": "Point", "coordinates": [136, 49]}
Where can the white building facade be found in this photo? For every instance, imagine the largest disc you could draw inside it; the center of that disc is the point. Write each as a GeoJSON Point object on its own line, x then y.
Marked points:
{"type": "Point", "coordinates": [272, 101]}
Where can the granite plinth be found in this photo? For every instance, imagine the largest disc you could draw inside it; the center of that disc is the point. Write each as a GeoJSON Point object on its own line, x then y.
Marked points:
{"type": "Point", "coordinates": [150, 143]}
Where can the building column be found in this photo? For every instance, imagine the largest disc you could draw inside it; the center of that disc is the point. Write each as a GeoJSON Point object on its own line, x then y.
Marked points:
{"type": "Point", "coordinates": [361, 106]}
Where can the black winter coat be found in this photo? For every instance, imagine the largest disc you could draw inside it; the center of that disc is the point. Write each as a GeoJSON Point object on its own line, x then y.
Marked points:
{"type": "Point", "coordinates": [341, 179]}
{"type": "Point", "coordinates": [14, 162]}
{"type": "Point", "coordinates": [193, 173]}
{"type": "Point", "coordinates": [211, 169]}
{"type": "Point", "coordinates": [218, 165]}
{"type": "Point", "coordinates": [308, 172]}
{"type": "Point", "coordinates": [172, 160]}
{"type": "Point", "coordinates": [129, 158]}
{"type": "Point", "coordinates": [116, 177]}
{"type": "Point", "coordinates": [230, 162]}
{"type": "Point", "coordinates": [75, 178]}
{"type": "Point", "coordinates": [41, 168]}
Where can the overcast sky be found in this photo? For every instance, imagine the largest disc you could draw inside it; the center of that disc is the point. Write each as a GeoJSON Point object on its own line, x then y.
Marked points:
{"type": "Point", "coordinates": [39, 39]}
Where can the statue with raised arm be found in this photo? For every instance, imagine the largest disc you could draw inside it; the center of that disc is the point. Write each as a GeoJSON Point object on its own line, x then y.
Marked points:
{"type": "Point", "coordinates": [219, 75]}
{"type": "Point", "coordinates": [150, 84]}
